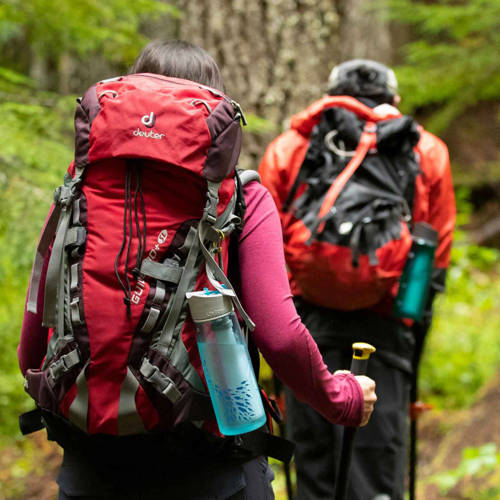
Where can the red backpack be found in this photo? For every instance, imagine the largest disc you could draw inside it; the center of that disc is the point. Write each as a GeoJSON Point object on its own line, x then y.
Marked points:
{"type": "Point", "coordinates": [346, 219]}
{"type": "Point", "coordinates": [142, 218]}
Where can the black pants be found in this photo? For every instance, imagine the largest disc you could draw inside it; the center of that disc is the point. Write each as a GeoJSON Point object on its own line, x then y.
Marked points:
{"type": "Point", "coordinates": [249, 480]}
{"type": "Point", "coordinates": [184, 464]}
{"type": "Point", "coordinates": [379, 456]}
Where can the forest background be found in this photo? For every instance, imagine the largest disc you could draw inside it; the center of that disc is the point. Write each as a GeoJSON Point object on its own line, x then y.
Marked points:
{"type": "Point", "coordinates": [275, 56]}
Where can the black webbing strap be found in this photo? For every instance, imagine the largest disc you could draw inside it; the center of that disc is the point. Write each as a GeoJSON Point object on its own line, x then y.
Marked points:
{"type": "Point", "coordinates": [263, 443]}
{"type": "Point", "coordinates": [70, 437]}
{"type": "Point", "coordinates": [299, 179]}
{"type": "Point", "coordinates": [392, 359]}
{"type": "Point", "coordinates": [31, 421]}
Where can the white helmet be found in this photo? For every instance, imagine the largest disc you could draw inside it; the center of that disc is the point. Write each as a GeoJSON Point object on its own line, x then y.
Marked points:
{"type": "Point", "coordinates": [363, 78]}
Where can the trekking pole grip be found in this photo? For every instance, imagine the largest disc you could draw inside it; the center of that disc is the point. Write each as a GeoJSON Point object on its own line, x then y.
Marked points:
{"type": "Point", "coordinates": [361, 353]}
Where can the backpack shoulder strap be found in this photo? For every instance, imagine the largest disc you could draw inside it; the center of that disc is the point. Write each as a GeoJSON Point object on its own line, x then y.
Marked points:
{"type": "Point", "coordinates": [368, 140]}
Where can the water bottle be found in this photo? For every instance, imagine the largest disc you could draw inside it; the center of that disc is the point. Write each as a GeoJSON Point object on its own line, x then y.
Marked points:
{"type": "Point", "coordinates": [416, 278]}
{"type": "Point", "coordinates": [226, 364]}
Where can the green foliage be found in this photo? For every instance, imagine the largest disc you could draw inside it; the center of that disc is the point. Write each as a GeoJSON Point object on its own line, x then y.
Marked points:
{"type": "Point", "coordinates": [36, 146]}
{"type": "Point", "coordinates": [476, 463]}
{"type": "Point", "coordinates": [110, 27]}
{"type": "Point", "coordinates": [259, 125]}
{"type": "Point", "coordinates": [456, 50]}
{"type": "Point", "coordinates": [462, 351]}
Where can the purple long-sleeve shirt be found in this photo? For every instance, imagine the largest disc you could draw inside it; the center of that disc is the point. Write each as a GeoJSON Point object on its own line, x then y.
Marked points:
{"type": "Point", "coordinates": [280, 335]}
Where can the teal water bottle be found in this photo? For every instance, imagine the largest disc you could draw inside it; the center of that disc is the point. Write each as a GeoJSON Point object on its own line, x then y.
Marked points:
{"type": "Point", "coordinates": [417, 274]}
{"type": "Point", "coordinates": [226, 364]}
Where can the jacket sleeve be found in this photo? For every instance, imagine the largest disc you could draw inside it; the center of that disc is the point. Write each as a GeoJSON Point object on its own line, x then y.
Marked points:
{"type": "Point", "coordinates": [441, 215]}
{"type": "Point", "coordinates": [441, 198]}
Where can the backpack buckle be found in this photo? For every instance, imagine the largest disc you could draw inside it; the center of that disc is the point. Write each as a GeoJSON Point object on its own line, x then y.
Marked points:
{"type": "Point", "coordinates": [63, 365]}
{"type": "Point", "coordinates": [63, 195]}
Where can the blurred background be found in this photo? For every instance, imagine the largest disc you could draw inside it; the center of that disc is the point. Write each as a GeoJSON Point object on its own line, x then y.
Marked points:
{"type": "Point", "coordinates": [275, 56]}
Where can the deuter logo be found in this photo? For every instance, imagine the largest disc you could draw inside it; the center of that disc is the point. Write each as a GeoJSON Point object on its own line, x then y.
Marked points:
{"type": "Point", "coordinates": [150, 135]}
{"type": "Point", "coordinates": [149, 120]}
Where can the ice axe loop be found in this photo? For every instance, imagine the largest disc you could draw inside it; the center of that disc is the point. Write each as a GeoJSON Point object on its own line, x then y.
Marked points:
{"type": "Point", "coordinates": [361, 353]}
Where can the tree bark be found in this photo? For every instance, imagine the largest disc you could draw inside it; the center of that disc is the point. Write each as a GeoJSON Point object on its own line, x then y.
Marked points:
{"type": "Point", "coordinates": [275, 55]}
{"type": "Point", "coordinates": [364, 30]}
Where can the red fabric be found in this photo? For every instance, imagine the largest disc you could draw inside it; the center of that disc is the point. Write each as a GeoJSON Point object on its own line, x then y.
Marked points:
{"type": "Point", "coordinates": [180, 131]}
{"type": "Point", "coordinates": [68, 398]}
{"type": "Point", "coordinates": [280, 335]}
{"type": "Point", "coordinates": [145, 409]}
{"type": "Point", "coordinates": [434, 196]}
{"type": "Point", "coordinates": [103, 298]}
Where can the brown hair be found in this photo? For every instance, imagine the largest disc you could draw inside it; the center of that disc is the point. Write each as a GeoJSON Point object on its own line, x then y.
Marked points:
{"type": "Point", "coordinates": [179, 59]}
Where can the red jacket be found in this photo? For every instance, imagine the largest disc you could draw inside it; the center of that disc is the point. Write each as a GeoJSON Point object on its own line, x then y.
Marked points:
{"type": "Point", "coordinates": [434, 200]}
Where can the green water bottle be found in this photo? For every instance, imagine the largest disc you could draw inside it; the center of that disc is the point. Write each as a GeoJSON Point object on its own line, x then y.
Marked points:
{"type": "Point", "coordinates": [417, 274]}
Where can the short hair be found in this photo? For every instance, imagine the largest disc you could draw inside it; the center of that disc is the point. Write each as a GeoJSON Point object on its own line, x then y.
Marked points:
{"type": "Point", "coordinates": [179, 59]}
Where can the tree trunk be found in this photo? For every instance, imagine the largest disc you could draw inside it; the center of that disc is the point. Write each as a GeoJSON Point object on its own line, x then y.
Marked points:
{"type": "Point", "coordinates": [275, 55]}
{"type": "Point", "coordinates": [38, 70]}
{"type": "Point", "coordinates": [364, 30]}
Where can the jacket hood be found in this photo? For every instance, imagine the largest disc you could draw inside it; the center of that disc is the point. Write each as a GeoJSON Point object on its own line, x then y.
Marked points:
{"type": "Point", "coordinates": [306, 120]}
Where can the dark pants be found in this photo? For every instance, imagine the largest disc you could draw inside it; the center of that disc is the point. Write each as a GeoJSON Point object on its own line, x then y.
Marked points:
{"type": "Point", "coordinates": [250, 480]}
{"type": "Point", "coordinates": [184, 464]}
{"type": "Point", "coordinates": [379, 455]}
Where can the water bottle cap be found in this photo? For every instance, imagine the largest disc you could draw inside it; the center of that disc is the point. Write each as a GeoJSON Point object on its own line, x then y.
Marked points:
{"type": "Point", "coordinates": [207, 306]}
{"type": "Point", "coordinates": [424, 231]}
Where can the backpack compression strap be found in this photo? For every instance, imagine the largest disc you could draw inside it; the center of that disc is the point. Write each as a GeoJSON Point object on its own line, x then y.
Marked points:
{"type": "Point", "coordinates": [57, 225]}
{"type": "Point", "coordinates": [367, 141]}
{"type": "Point", "coordinates": [215, 274]}
{"type": "Point", "coordinates": [212, 229]}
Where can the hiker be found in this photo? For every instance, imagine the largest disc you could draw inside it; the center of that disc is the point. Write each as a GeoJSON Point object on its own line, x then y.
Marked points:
{"type": "Point", "coordinates": [176, 461]}
{"type": "Point", "coordinates": [352, 179]}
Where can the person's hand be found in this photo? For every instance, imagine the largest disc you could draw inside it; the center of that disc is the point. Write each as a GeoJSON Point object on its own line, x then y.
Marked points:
{"type": "Point", "coordinates": [369, 396]}
{"type": "Point", "coordinates": [368, 387]}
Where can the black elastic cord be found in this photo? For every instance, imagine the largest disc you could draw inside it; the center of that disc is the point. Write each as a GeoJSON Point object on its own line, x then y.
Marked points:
{"type": "Point", "coordinates": [128, 195]}
{"type": "Point", "coordinates": [141, 238]}
{"type": "Point", "coordinates": [124, 240]}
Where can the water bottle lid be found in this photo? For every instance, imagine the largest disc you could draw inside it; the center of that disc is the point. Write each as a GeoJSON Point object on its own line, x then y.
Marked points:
{"type": "Point", "coordinates": [207, 306]}
{"type": "Point", "coordinates": [424, 231]}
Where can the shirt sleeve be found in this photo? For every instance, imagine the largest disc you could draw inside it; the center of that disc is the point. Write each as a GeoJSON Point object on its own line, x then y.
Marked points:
{"type": "Point", "coordinates": [280, 335]}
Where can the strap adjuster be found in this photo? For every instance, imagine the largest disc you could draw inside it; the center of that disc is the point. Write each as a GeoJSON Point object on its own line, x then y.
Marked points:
{"type": "Point", "coordinates": [63, 195]}
{"type": "Point", "coordinates": [163, 384]}
{"type": "Point", "coordinates": [63, 365]}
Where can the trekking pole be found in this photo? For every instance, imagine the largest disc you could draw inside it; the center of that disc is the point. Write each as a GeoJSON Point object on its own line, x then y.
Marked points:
{"type": "Point", "coordinates": [359, 364]}
{"type": "Point", "coordinates": [416, 409]}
